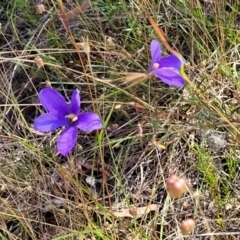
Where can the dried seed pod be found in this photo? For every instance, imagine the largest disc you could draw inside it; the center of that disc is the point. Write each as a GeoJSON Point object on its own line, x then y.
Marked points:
{"type": "Point", "coordinates": [48, 84]}
{"type": "Point", "coordinates": [176, 186]}
{"type": "Point", "coordinates": [109, 41]}
{"type": "Point", "coordinates": [122, 225]}
{"type": "Point", "coordinates": [187, 226]}
{"type": "Point", "coordinates": [29, 189]}
{"type": "Point", "coordinates": [40, 9]}
{"type": "Point", "coordinates": [118, 106]}
{"type": "Point", "coordinates": [185, 205]}
{"type": "Point", "coordinates": [140, 132]}
{"type": "Point", "coordinates": [3, 188]}
{"type": "Point", "coordinates": [39, 62]}
{"type": "Point", "coordinates": [106, 225]}
{"type": "Point", "coordinates": [158, 146]}
{"type": "Point", "coordinates": [79, 147]}
{"type": "Point", "coordinates": [202, 64]}
{"type": "Point", "coordinates": [85, 46]}
{"type": "Point", "coordinates": [139, 32]}
{"type": "Point", "coordinates": [114, 126]}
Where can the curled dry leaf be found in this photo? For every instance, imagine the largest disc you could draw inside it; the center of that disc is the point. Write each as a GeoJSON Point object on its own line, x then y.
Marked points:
{"type": "Point", "coordinates": [138, 211]}
{"type": "Point", "coordinates": [133, 78]}
{"type": "Point", "coordinates": [129, 104]}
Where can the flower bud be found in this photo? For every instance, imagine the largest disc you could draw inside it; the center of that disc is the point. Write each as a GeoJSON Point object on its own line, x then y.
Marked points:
{"type": "Point", "coordinates": [187, 226]}
{"type": "Point", "coordinates": [176, 186]}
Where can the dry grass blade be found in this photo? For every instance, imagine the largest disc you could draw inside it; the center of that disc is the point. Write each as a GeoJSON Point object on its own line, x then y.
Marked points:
{"type": "Point", "coordinates": [138, 211]}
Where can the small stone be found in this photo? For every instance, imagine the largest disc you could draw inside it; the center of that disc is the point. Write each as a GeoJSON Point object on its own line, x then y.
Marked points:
{"type": "Point", "coordinates": [216, 141]}
{"type": "Point", "coordinates": [91, 181]}
{"type": "Point", "coordinates": [228, 206]}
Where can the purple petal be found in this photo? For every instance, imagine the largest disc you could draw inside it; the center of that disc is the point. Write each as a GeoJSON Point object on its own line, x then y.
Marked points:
{"type": "Point", "coordinates": [75, 101]}
{"type": "Point", "coordinates": [156, 52]}
{"type": "Point", "coordinates": [53, 101]}
{"type": "Point", "coordinates": [67, 140]}
{"type": "Point", "coordinates": [48, 122]}
{"type": "Point", "coordinates": [89, 121]}
{"type": "Point", "coordinates": [170, 76]}
{"type": "Point", "coordinates": [171, 61]}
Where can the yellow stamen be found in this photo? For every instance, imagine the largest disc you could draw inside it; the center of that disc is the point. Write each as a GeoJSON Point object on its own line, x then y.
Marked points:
{"type": "Point", "coordinates": [156, 65]}
{"type": "Point", "coordinates": [72, 116]}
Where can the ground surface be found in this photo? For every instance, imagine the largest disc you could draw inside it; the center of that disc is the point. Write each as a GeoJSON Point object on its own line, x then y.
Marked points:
{"type": "Point", "coordinates": [112, 185]}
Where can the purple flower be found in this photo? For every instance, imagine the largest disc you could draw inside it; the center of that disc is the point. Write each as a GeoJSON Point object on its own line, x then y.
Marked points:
{"type": "Point", "coordinates": [167, 69]}
{"type": "Point", "coordinates": [63, 114]}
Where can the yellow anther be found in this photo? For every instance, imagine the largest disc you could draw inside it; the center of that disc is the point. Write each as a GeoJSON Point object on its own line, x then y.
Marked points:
{"type": "Point", "coordinates": [156, 65]}
{"type": "Point", "coordinates": [72, 116]}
